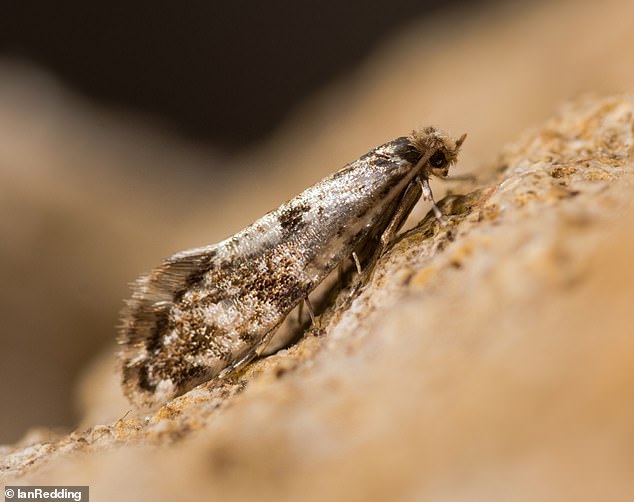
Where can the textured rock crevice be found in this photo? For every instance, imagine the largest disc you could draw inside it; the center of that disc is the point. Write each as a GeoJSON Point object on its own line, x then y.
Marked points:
{"type": "Point", "coordinates": [490, 354]}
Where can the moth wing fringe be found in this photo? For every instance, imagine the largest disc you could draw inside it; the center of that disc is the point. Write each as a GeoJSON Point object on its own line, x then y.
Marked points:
{"type": "Point", "coordinates": [155, 292]}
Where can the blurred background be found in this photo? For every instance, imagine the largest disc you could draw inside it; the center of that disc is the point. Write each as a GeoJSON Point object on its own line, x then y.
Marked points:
{"type": "Point", "coordinates": [128, 133]}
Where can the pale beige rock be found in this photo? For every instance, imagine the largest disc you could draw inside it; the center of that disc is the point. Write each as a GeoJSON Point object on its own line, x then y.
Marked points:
{"type": "Point", "coordinates": [489, 359]}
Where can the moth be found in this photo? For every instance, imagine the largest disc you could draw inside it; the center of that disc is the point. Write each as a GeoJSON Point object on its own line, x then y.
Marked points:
{"type": "Point", "coordinates": [205, 312]}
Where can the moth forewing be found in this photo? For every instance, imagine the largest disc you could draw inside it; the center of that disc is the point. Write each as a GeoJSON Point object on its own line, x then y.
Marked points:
{"type": "Point", "coordinates": [204, 312]}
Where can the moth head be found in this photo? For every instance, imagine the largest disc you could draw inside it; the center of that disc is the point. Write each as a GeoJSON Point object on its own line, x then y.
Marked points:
{"type": "Point", "coordinates": [439, 150]}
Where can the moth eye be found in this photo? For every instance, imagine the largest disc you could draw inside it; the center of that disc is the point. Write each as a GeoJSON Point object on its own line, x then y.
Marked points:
{"type": "Point", "coordinates": [438, 159]}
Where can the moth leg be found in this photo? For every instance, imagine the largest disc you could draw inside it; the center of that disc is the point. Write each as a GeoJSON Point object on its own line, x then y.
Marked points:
{"type": "Point", "coordinates": [309, 307]}
{"type": "Point", "coordinates": [409, 199]}
{"type": "Point", "coordinates": [241, 363]}
{"type": "Point", "coordinates": [357, 262]}
{"type": "Point", "coordinates": [249, 356]}
{"type": "Point", "coordinates": [311, 312]}
{"type": "Point", "coordinates": [428, 195]}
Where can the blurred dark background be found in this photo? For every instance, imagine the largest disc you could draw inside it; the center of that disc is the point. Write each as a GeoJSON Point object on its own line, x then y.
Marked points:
{"type": "Point", "coordinates": [220, 72]}
{"type": "Point", "coordinates": [220, 75]}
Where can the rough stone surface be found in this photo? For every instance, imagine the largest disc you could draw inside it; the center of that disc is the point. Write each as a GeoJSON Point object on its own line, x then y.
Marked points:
{"type": "Point", "coordinates": [487, 359]}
